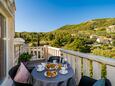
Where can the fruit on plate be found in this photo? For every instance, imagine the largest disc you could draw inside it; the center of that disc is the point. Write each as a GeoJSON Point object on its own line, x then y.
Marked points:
{"type": "Point", "coordinates": [51, 66]}
{"type": "Point", "coordinates": [48, 73]}
{"type": "Point", "coordinates": [54, 73]}
{"type": "Point", "coordinates": [51, 73]}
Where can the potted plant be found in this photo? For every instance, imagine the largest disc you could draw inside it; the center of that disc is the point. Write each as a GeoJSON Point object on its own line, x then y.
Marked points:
{"type": "Point", "coordinates": [24, 57]}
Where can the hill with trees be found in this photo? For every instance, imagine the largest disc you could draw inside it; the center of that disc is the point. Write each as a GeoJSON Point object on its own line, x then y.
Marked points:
{"type": "Point", "coordinates": [88, 37]}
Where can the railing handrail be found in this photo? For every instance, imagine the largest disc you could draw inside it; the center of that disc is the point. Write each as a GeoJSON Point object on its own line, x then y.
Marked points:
{"type": "Point", "coordinates": [100, 59]}
{"type": "Point", "coordinates": [36, 47]}
{"type": "Point", "coordinates": [52, 47]}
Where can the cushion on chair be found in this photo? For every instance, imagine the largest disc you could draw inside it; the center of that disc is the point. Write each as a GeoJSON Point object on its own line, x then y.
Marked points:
{"type": "Point", "coordinates": [22, 75]}
{"type": "Point", "coordinates": [100, 82]}
{"type": "Point", "coordinates": [87, 81]}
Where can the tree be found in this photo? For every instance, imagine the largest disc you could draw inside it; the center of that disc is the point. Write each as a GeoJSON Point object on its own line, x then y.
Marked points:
{"type": "Point", "coordinates": [113, 43]}
{"type": "Point", "coordinates": [79, 44]}
{"type": "Point", "coordinates": [85, 49]}
{"type": "Point", "coordinates": [38, 39]}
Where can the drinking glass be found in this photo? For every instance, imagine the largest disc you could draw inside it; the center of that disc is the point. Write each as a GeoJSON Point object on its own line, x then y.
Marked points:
{"type": "Point", "coordinates": [54, 61]}
{"type": "Point", "coordinates": [65, 65]}
{"type": "Point", "coordinates": [65, 59]}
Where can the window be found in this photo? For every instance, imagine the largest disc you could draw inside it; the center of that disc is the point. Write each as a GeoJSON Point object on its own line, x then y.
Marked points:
{"type": "Point", "coordinates": [2, 47]}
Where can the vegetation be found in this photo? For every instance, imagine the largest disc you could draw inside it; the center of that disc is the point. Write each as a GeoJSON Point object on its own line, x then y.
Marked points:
{"type": "Point", "coordinates": [24, 57]}
{"type": "Point", "coordinates": [77, 37]}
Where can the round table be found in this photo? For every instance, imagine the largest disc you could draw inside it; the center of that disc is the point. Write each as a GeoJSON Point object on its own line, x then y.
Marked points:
{"type": "Point", "coordinates": [39, 79]}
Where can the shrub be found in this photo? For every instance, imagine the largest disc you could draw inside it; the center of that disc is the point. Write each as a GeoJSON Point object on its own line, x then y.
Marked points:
{"type": "Point", "coordinates": [85, 49]}
{"type": "Point", "coordinates": [113, 43]}
{"type": "Point", "coordinates": [24, 57]}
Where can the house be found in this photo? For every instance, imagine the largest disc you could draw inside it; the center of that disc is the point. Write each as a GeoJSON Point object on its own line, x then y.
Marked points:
{"type": "Point", "coordinates": [111, 29]}
{"type": "Point", "coordinates": [73, 35]}
{"type": "Point", "coordinates": [104, 40]}
{"type": "Point", "coordinates": [7, 29]}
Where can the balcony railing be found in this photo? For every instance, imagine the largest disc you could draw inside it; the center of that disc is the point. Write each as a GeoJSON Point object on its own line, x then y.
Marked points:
{"type": "Point", "coordinates": [36, 52]}
{"type": "Point", "coordinates": [18, 50]}
{"type": "Point", "coordinates": [86, 64]}
{"type": "Point", "coordinates": [82, 63]}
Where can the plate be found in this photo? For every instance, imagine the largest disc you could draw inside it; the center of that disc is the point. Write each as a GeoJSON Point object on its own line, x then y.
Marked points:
{"type": "Point", "coordinates": [51, 74]}
{"type": "Point", "coordinates": [63, 71]}
{"type": "Point", "coordinates": [43, 64]}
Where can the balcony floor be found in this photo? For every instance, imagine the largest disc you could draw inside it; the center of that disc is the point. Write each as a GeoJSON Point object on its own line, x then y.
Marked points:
{"type": "Point", "coordinates": [8, 82]}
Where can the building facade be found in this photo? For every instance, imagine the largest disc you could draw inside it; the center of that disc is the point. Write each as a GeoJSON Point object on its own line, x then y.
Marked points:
{"type": "Point", "coordinates": [7, 29]}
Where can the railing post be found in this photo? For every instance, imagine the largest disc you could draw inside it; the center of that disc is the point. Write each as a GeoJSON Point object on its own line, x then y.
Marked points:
{"type": "Point", "coordinates": [96, 70]}
{"type": "Point", "coordinates": [78, 68]}
{"type": "Point", "coordinates": [45, 51]}
{"type": "Point", "coordinates": [86, 67]}
{"type": "Point", "coordinates": [111, 74]}
{"type": "Point", "coordinates": [37, 53]}
{"type": "Point", "coordinates": [73, 59]}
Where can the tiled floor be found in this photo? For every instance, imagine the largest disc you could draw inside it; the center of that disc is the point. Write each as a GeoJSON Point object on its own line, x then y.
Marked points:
{"type": "Point", "coordinates": [8, 82]}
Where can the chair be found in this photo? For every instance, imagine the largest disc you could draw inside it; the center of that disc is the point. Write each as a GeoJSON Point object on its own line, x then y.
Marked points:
{"type": "Point", "coordinates": [51, 58]}
{"type": "Point", "coordinates": [87, 81]}
{"type": "Point", "coordinates": [71, 82]}
{"type": "Point", "coordinates": [107, 82]}
{"type": "Point", "coordinates": [61, 83]}
{"type": "Point", "coordinates": [12, 73]}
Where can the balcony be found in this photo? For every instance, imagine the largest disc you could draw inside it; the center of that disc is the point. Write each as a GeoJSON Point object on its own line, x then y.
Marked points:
{"type": "Point", "coordinates": [83, 64]}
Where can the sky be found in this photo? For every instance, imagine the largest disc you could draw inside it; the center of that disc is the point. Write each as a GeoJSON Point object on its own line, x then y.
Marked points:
{"type": "Point", "coordinates": [48, 15]}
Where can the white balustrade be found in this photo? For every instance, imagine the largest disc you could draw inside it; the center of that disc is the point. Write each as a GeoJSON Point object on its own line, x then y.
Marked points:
{"type": "Point", "coordinates": [37, 53]}
{"type": "Point", "coordinates": [18, 50]}
{"type": "Point", "coordinates": [86, 63]}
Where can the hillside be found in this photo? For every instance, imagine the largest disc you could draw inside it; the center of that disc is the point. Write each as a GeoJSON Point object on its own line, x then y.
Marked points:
{"type": "Point", "coordinates": [89, 25]}
{"type": "Point", "coordinates": [80, 37]}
